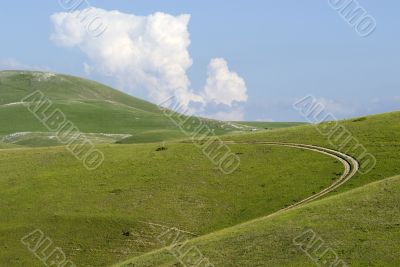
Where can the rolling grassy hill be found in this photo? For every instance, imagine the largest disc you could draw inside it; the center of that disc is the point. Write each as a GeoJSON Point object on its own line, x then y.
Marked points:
{"type": "Point", "coordinates": [142, 191]}
{"type": "Point", "coordinates": [86, 213]}
{"type": "Point", "coordinates": [354, 223]}
{"type": "Point", "coordinates": [92, 107]}
{"type": "Point", "coordinates": [361, 226]}
{"type": "Point", "coordinates": [379, 134]}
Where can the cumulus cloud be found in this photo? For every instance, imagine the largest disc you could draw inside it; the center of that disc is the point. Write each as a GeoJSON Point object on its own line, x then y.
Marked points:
{"type": "Point", "coordinates": [223, 86]}
{"type": "Point", "coordinates": [150, 53]}
{"type": "Point", "coordinates": [234, 115]}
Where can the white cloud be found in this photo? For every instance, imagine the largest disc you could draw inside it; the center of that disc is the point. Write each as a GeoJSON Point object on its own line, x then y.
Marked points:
{"type": "Point", "coordinates": [223, 86]}
{"type": "Point", "coordinates": [234, 115]}
{"type": "Point", "coordinates": [150, 53]}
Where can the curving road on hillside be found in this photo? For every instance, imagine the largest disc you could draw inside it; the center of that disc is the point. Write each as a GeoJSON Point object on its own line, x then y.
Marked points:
{"type": "Point", "coordinates": [350, 164]}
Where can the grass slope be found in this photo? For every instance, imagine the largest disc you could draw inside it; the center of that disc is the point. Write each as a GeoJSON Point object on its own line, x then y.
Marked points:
{"type": "Point", "coordinates": [92, 107]}
{"type": "Point", "coordinates": [379, 134]}
{"type": "Point", "coordinates": [86, 213]}
{"type": "Point", "coordinates": [269, 125]}
{"type": "Point", "coordinates": [362, 226]}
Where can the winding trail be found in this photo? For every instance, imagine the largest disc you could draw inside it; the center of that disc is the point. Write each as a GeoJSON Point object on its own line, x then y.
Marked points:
{"type": "Point", "coordinates": [350, 164]}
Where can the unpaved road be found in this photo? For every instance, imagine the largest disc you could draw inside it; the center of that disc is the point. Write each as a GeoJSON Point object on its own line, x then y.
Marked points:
{"type": "Point", "coordinates": [351, 166]}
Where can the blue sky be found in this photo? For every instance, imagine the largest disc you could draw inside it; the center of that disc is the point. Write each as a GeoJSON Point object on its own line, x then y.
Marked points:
{"type": "Point", "coordinates": [283, 50]}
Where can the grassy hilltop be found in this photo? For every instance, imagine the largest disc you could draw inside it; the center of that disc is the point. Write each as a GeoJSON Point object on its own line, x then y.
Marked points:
{"type": "Point", "coordinates": [93, 108]}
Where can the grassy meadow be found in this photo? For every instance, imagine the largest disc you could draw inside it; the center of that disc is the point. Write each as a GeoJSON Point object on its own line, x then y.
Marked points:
{"type": "Point", "coordinates": [362, 226]}
{"type": "Point", "coordinates": [379, 134]}
{"type": "Point", "coordinates": [87, 212]}
{"type": "Point", "coordinates": [93, 108]}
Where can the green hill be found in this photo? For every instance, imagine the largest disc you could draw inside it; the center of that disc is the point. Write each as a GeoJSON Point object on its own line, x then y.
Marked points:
{"type": "Point", "coordinates": [92, 107]}
{"type": "Point", "coordinates": [358, 228]}
{"type": "Point", "coordinates": [117, 211]}
{"type": "Point", "coordinates": [140, 191]}
{"type": "Point", "coordinates": [380, 135]}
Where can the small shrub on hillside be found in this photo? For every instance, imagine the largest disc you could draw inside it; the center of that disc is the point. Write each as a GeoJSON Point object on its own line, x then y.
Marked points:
{"type": "Point", "coordinates": [360, 119]}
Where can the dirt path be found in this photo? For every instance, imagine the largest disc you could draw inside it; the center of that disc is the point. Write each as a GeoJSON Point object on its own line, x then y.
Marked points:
{"type": "Point", "coordinates": [351, 166]}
